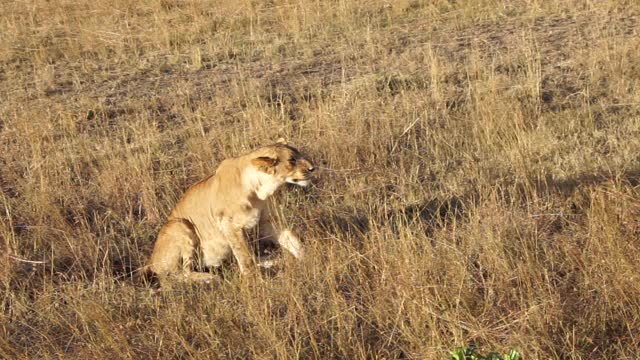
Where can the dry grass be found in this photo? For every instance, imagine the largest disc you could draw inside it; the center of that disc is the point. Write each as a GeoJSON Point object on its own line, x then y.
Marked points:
{"type": "Point", "coordinates": [479, 184]}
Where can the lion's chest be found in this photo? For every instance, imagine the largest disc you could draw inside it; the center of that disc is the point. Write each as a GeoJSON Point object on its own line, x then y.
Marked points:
{"type": "Point", "coordinates": [252, 219]}
{"type": "Point", "coordinates": [248, 219]}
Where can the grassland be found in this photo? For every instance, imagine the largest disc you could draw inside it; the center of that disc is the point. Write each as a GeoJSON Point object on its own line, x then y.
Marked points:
{"type": "Point", "coordinates": [479, 175]}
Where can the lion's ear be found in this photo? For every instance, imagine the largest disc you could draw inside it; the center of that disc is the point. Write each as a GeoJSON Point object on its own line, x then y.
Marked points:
{"type": "Point", "coordinates": [265, 163]}
{"type": "Point", "coordinates": [281, 141]}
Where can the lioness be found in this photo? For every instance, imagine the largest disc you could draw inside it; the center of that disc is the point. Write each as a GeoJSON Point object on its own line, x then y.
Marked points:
{"type": "Point", "coordinates": [209, 220]}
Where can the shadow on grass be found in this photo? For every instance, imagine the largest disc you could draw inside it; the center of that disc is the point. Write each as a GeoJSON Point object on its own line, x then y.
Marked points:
{"type": "Point", "coordinates": [567, 186]}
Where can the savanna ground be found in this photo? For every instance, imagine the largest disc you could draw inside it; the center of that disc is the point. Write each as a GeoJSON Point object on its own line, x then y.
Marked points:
{"type": "Point", "coordinates": [479, 175]}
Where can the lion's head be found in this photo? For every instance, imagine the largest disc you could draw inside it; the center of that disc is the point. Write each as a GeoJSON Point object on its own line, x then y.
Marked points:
{"type": "Point", "coordinates": [284, 162]}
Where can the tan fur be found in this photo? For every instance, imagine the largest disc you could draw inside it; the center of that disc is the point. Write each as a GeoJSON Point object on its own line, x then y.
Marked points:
{"type": "Point", "coordinates": [209, 221]}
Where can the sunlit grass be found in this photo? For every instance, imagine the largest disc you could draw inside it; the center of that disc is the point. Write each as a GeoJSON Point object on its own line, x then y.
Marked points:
{"type": "Point", "coordinates": [478, 183]}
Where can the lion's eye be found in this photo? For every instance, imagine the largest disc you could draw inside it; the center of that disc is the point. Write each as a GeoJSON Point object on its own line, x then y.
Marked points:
{"type": "Point", "coordinates": [292, 161]}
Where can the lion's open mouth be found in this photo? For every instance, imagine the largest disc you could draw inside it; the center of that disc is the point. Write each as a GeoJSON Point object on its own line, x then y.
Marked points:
{"type": "Point", "coordinates": [304, 182]}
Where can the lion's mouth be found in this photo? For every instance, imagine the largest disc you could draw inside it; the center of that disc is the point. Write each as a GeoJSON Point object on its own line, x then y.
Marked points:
{"type": "Point", "coordinates": [304, 182]}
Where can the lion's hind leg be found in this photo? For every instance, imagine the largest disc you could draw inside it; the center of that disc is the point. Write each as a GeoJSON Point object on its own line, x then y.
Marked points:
{"type": "Point", "coordinates": [175, 249]}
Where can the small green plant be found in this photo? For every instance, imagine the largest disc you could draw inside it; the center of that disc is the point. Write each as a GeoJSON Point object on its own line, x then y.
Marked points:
{"type": "Point", "coordinates": [471, 353]}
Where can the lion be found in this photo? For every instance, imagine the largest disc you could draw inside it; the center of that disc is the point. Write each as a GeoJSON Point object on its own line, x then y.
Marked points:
{"type": "Point", "coordinates": [209, 221]}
